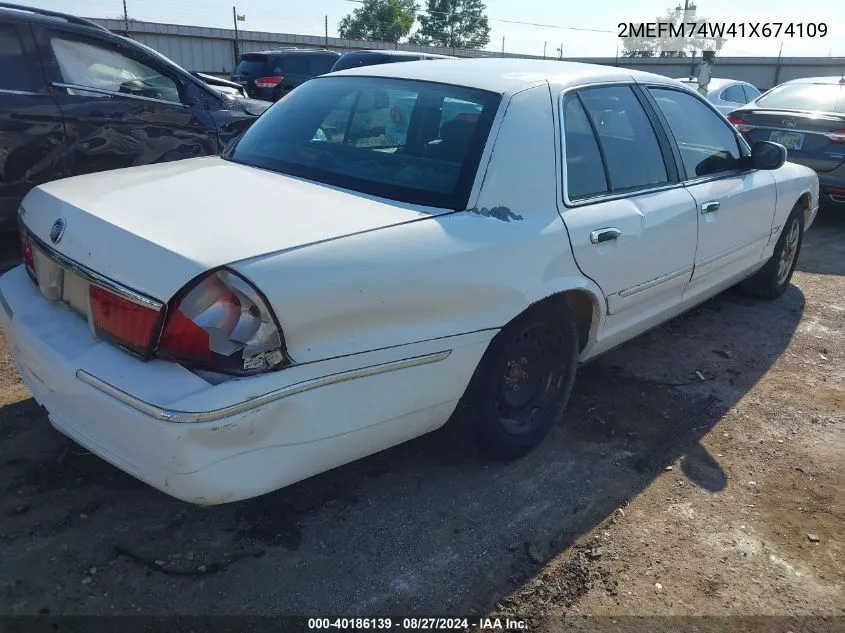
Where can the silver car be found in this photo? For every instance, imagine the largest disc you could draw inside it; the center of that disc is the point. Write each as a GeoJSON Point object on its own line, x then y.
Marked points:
{"type": "Point", "coordinates": [726, 94]}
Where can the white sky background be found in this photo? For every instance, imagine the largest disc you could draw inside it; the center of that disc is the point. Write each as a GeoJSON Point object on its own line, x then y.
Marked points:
{"type": "Point", "coordinates": [306, 17]}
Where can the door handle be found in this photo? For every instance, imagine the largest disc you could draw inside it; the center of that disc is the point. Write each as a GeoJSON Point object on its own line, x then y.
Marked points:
{"type": "Point", "coordinates": [604, 235]}
{"type": "Point", "coordinates": [709, 207]}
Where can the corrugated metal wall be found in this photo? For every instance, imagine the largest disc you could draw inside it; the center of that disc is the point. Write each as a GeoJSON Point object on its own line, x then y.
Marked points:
{"type": "Point", "coordinates": [212, 51]}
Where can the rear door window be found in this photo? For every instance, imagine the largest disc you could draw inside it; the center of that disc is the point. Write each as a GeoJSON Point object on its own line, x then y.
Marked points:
{"type": "Point", "coordinates": [17, 70]}
{"type": "Point", "coordinates": [627, 139]}
{"type": "Point", "coordinates": [386, 137]}
{"type": "Point", "coordinates": [584, 166]}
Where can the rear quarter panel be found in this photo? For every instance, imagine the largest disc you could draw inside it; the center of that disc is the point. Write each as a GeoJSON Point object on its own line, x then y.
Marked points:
{"type": "Point", "coordinates": [442, 275]}
{"type": "Point", "coordinates": [793, 182]}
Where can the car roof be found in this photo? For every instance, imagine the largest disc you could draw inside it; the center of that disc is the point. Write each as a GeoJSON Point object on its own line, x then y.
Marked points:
{"type": "Point", "coordinates": [503, 75]}
{"type": "Point", "coordinates": [9, 11]}
{"type": "Point", "coordinates": [715, 83]}
{"type": "Point", "coordinates": [376, 51]}
{"type": "Point", "coordinates": [818, 80]}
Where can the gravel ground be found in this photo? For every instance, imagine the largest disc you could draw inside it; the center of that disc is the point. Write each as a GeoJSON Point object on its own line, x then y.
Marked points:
{"type": "Point", "coordinates": [663, 495]}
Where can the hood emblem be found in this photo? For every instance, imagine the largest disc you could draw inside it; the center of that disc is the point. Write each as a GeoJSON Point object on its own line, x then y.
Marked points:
{"type": "Point", "coordinates": [57, 230]}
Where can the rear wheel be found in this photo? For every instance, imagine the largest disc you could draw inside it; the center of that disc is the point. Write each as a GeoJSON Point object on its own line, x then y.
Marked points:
{"type": "Point", "coordinates": [523, 382]}
{"type": "Point", "coordinates": [772, 280]}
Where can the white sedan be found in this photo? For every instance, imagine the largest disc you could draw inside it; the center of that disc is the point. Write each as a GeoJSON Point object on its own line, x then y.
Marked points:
{"type": "Point", "coordinates": [226, 326]}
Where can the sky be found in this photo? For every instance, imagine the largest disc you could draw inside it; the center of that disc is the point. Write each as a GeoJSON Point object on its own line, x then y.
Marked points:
{"type": "Point", "coordinates": [561, 19]}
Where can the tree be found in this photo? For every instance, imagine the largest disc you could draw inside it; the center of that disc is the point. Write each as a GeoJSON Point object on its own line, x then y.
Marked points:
{"type": "Point", "coordinates": [382, 20]}
{"type": "Point", "coordinates": [454, 23]}
{"type": "Point", "coordinates": [678, 34]}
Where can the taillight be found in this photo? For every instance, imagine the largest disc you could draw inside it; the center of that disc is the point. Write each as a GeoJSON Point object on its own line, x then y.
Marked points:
{"type": "Point", "coordinates": [222, 323]}
{"type": "Point", "coordinates": [127, 323]}
{"type": "Point", "coordinates": [739, 123]}
{"type": "Point", "coordinates": [26, 253]}
{"type": "Point", "coordinates": [834, 190]}
{"type": "Point", "coordinates": [269, 82]}
{"type": "Point", "coordinates": [837, 136]}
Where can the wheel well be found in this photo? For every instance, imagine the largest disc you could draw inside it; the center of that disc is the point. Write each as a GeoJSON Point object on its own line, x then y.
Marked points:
{"type": "Point", "coordinates": [584, 310]}
{"type": "Point", "coordinates": [804, 203]}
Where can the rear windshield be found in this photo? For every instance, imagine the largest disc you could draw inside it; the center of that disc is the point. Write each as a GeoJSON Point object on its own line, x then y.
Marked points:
{"type": "Point", "coordinates": [252, 65]}
{"type": "Point", "coordinates": [354, 60]}
{"type": "Point", "coordinates": [411, 141]}
{"type": "Point", "coordinates": [817, 97]}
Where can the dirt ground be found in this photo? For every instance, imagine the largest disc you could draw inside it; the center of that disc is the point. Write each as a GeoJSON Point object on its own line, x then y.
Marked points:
{"type": "Point", "coordinates": [663, 495]}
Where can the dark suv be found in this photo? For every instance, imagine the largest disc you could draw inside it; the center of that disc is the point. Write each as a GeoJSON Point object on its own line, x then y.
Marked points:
{"type": "Point", "coordinates": [76, 98]}
{"type": "Point", "coordinates": [270, 75]}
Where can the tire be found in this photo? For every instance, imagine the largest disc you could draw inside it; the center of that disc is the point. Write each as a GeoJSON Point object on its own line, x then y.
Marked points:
{"type": "Point", "coordinates": [772, 280]}
{"type": "Point", "coordinates": [522, 384]}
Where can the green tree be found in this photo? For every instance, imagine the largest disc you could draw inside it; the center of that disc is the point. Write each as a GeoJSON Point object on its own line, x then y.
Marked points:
{"type": "Point", "coordinates": [454, 23]}
{"type": "Point", "coordinates": [381, 20]}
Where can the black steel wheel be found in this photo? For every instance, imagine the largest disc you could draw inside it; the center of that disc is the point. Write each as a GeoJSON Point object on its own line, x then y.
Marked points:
{"type": "Point", "coordinates": [522, 385]}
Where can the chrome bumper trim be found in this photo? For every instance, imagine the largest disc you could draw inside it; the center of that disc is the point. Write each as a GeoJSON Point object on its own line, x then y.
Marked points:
{"type": "Point", "coordinates": [183, 417]}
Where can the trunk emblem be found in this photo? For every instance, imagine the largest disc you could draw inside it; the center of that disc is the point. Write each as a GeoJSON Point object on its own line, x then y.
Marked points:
{"type": "Point", "coordinates": [57, 230]}
{"type": "Point", "coordinates": [789, 123]}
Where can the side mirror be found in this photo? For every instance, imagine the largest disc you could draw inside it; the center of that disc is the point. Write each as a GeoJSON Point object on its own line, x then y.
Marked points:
{"type": "Point", "coordinates": [767, 155]}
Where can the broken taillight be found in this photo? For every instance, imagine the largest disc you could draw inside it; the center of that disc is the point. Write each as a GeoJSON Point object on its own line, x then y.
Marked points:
{"type": "Point", "coordinates": [222, 323]}
{"type": "Point", "coordinates": [126, 322]}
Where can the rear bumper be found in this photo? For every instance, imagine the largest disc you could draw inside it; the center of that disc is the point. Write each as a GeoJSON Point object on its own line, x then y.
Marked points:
{"type": "Point", "coordinates": [212, 444]}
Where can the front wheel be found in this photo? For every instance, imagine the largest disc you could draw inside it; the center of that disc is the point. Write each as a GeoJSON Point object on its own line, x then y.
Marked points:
{"type": "Point", "coordinates": [523, 382]}
{"type": "Point", "coordinates": [772, 280]}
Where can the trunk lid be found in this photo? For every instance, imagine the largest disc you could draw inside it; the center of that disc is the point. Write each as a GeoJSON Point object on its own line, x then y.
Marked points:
{"type": "Point", "coordinates": [806, 135]}
{"type": "Point", "coordinates": [155, 228]}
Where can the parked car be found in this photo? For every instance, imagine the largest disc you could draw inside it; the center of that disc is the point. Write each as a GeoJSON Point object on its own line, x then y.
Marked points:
{"type": "Point", "coordinates": [807, 116]}
{"type": "Point", "coordinates": [217, 347]}
{"type": "Point", "coordinates": [355, 59]}
{"type": "Point", "coordinates": [75, 99]}
{"type": "Point", "coordinates": [726, 94]}
{"type": "Point", "coordinates": [269, 75]}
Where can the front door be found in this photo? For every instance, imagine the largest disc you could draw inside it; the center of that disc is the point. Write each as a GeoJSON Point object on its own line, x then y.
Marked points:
{"type": "Point", "coordinates": [121, 107]}
{"type": "Point", "coordinates": [736, 205]}
{"type": "Point", "coordinates": [632, 226]}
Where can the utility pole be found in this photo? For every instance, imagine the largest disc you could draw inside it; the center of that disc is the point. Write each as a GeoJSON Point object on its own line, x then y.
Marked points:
{"type": "Point", "coordinates": [544, 49]}
{"type": "Point", "coordinates": [503, 46]}
{"type": "Point", "coordinates": [125, 19]}
{"type": "Point", "coordinates": [235, 19]}
{"type": "Point", "coordinates": [327, 31]}
{"type": "Point", "coordinates": [777, 68]}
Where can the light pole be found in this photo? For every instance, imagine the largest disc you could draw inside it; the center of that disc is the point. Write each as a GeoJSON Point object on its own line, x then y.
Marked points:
{"type": "Point", "coordinates": [235, 19]}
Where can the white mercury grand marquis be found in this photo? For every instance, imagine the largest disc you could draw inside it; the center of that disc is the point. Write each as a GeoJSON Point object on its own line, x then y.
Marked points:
{"type": "Point", "coordinates": [222, 327]}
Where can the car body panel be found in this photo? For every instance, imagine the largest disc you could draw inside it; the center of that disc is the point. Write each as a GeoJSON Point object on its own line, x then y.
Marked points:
{"type": "Point", "coordinates": [295, 66]}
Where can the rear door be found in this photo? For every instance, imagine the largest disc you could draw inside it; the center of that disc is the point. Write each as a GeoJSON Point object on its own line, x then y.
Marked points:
{"type": "Point", "coordinates": [32, 135]}
{"type": "Point", "coordinates": [122, 107]}
{"type": "Point", "coordinates": [632, 226]}
{"type": "Point", "coordinates": [736, 205]}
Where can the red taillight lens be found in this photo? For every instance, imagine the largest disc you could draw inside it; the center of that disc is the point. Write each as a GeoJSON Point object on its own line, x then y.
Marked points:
{"type": "Point", "coordinates": [26, 253]}
{"type": "Point", "coordinates": [834, 190]}
{"type": "Point", "coordinates": [269, 82]}
{"type": "Point", "coordinates": [222, 323]}
{"type": "Point", "coordinates": [837, 136]}
{"type": "Point", "coordinates": [126, 322]}
{"type": "Point", "coordinates": [739, 123]}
